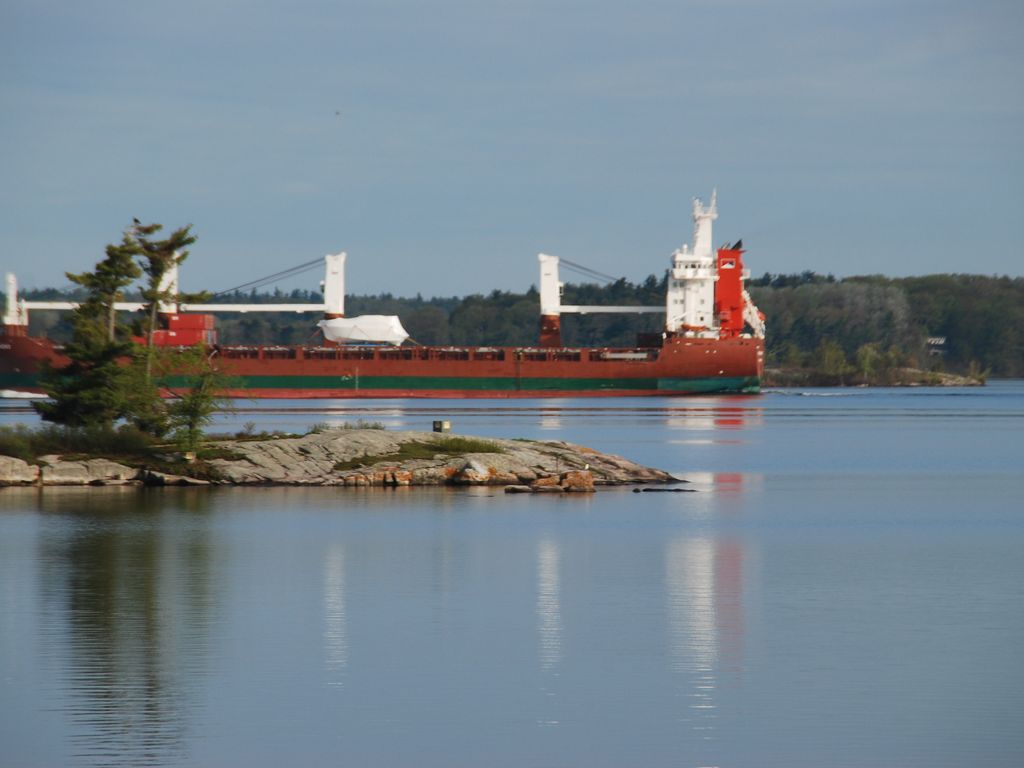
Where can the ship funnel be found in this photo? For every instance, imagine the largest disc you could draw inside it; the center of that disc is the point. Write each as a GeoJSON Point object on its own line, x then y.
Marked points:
{"type": "Point", "coordinates": [334, 285]}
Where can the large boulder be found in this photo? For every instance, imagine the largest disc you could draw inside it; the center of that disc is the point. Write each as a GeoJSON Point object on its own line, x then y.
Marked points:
{"type": "Point", "coordinates": [88, 472]}
{"type": "Point", "coordinates": [577, 481]}
{"type": "Point", "coordinates": [17, 472]}
{"type": "Point", "coordinates": [153, 477]}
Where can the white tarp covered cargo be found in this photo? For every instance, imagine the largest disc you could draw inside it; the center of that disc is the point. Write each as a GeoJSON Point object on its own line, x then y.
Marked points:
{"type": "Point", "coordinates": [384, 329]}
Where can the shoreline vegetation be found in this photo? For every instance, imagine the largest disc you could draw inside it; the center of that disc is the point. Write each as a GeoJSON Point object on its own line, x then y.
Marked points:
{"type": "Point", "coordinates": [354, 457]}
{"type": "Point", "coordinates": [896, 377]}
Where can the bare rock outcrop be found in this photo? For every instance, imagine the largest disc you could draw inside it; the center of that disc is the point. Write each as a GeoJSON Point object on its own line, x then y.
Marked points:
{"type": "Point", "coordinates": [361, 458]}
{"type": "Point", "coordinates": [372, 457]}
{"type": "Point", "coordinates": [86, 472]}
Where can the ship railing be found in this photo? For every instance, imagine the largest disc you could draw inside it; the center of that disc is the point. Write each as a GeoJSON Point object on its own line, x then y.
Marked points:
{"type": "Point", "coordinates": [236, 352]}
{"type": "Point", "coordinates": [621, 355]}
{"type": "Point", "coordinates": [278, 353]}
{"type": "Point", "coordinates": [582, 354]}
{"type": "Point", "coordinates": [404, 353]}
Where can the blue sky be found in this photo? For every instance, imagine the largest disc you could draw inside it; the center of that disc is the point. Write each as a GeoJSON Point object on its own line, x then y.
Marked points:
{"type": "Point", "coordinates": [443, 144]}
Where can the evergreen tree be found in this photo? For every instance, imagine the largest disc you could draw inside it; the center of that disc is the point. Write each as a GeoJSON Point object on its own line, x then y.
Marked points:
{"type": "Point", "coordinates": [158, 258]}
{"type": "Point", "coordinates": [106, 283]}
{"type": "Point", "coordinates": [193, 407]}
{"type": "Point", "coordinates": [91, 390]}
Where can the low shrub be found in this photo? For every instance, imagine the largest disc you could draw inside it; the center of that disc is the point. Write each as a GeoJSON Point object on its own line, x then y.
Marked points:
{"type": "Point", "coordinates": [29, 444]}
{"type": "Point", "coordinates": [416, 449]}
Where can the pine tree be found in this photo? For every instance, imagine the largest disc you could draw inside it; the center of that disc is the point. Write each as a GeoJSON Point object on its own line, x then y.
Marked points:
{"type": "Point", "coordinates": [106, 283]}
{"type": "Point", "coordinates": [194, 405]}
{"type": "Point", "coordinates": [158, 257]}
{"type": "Point", "coordinates": [90, 391]}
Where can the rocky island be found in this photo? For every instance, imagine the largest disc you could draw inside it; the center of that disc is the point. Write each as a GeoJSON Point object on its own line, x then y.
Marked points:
{"type": "Point", "coordinates": [352, 458]}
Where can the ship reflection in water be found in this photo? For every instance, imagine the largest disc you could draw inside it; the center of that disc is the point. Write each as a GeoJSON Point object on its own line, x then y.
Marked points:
{"type": "Point", "coordinates": [159, 627]}
{"type": "Point", "coordinates": [704, 593]}
{"type": "Point", "coordinates": [335, 630]}
{"type": "Point", "coordinates": [549, 612]}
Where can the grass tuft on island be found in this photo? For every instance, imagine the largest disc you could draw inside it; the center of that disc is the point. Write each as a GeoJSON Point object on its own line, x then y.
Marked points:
{"type": "Point", "coordinates": [417, 449]}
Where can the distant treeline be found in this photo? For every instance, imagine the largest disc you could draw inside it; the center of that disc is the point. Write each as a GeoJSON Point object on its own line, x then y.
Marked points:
{"type": "Point", "coordinates": [980, 320]}
{"type": "Point", "coordinates": [841, 326]}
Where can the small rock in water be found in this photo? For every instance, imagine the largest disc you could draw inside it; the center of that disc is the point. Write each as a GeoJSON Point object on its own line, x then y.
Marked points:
{"type": "Point", "coordinates": [664, 490]}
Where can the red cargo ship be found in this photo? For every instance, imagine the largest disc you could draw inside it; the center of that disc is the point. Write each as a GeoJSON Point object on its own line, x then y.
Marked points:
{"type": "Point", "coordinates": [712, 341]}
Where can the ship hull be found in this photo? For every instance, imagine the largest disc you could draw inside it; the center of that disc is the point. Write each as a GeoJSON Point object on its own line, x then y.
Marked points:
{"type": "Point", "coordinates": [682, 366]}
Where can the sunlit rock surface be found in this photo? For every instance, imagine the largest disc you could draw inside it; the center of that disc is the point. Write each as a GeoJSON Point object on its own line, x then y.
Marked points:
{"type": "Point", "coordinates": [360, 458]}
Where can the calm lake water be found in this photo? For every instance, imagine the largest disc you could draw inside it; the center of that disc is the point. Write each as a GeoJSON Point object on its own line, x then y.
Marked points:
{"type": "Point", "coordinates": [845, 588]}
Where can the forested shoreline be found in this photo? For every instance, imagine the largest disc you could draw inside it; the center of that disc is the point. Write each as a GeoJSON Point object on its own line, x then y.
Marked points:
{"type": "Point", "coordinates": [830, 330]}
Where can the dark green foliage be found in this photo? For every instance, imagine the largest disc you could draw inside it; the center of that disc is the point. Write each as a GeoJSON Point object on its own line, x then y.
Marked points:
{"type": "Point", "coordinates": [455, 444]}
{"type": "Point", "coordinates": [105, 285]}
{"type": "Point", "coordinates": [17, 441]}
{"type": "Point", "coordinates": [193, 406]}
{"type": "Point", "coordinates": [830, 360]}
{"type": "Point", "coordinates": [322, 426]}
{"type": "Point", "coordinates": [500, 319]}
{"type": "Point", "coordinates": [28, 444]}
{"type": "Point", "coordinates": [91, 390]}
{"type": "Point", "coordinates": [157, 257]}
{"type": "Point", "coordinates": [208, 452]}
{"type": "Point", "coordinates": [981, 318]}
{"type": "Point", "coordinates": [146, 409]}
{"type": "Point", "coordinates": [849, 313]}
{"type": "Point", "coordinates": [107, 378]}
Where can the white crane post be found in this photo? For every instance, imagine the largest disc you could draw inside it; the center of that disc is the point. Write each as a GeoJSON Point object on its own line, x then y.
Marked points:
{"type": "Point", "coordinates": [334, 285]}
{"type": "Point", "coordinates": [550, 302]}
{"type": "Point", "coordinates": [15, 314]}
{"type": "Point", "coordinates": [550, 287]}
{"type": "Point", "coordinates": [169, 285]}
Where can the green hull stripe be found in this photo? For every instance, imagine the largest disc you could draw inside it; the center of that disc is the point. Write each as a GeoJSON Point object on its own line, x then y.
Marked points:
{"type": "Point", "coordinates": [15, 380]}
{"type": "Point", "coordinates": [496, 384]}
{"type": "Point", "coordinates": [746, 384]}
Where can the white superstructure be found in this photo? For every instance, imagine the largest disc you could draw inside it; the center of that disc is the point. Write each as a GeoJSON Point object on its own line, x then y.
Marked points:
{"type": "Point", "coordinates": [690, 298]}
